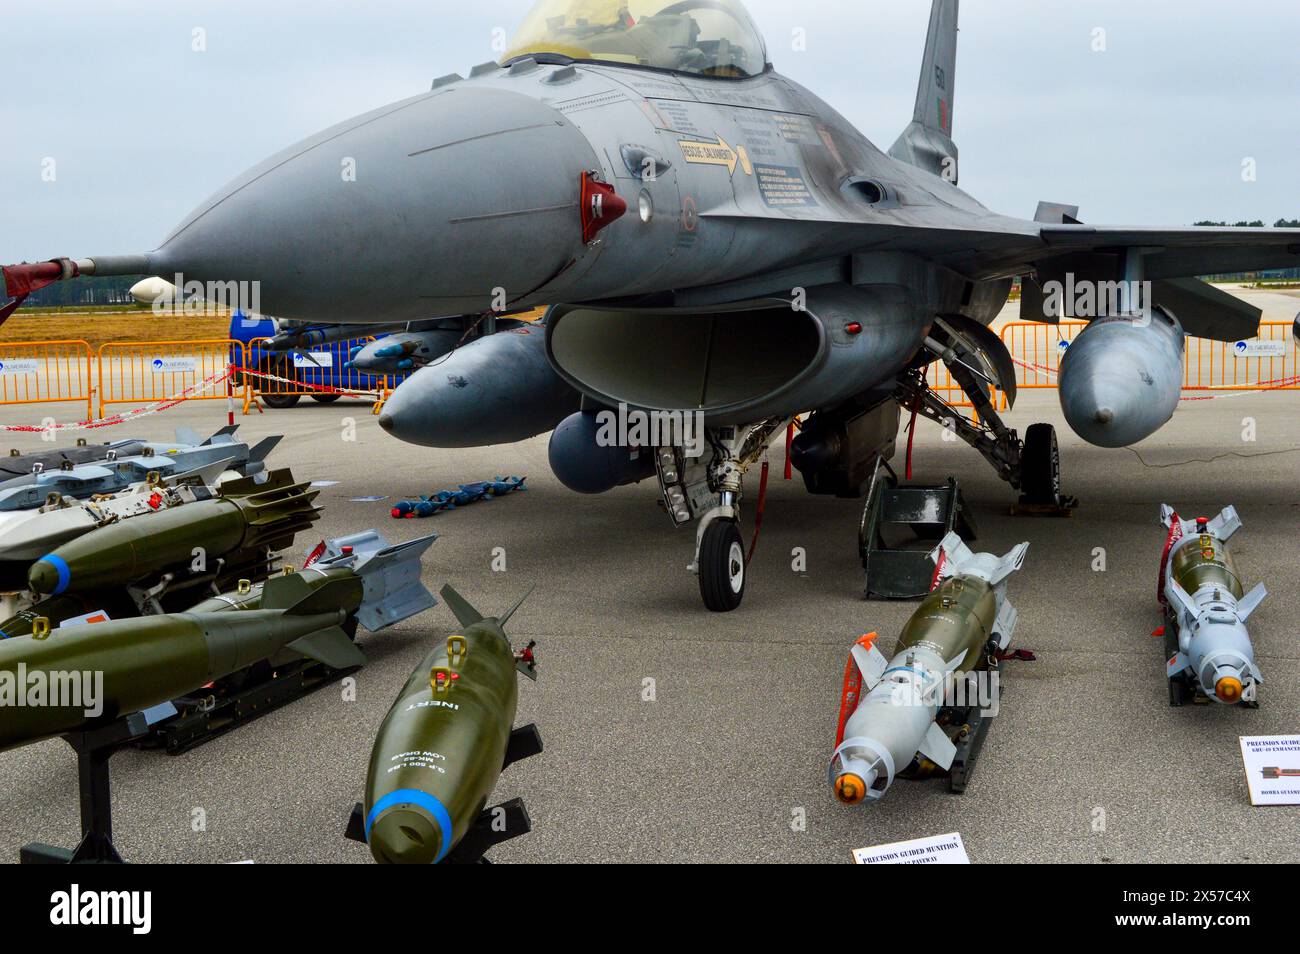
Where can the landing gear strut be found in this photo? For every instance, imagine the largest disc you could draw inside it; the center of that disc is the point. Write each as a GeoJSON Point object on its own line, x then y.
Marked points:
{"type": "Point", "coordinates": [709, 487]}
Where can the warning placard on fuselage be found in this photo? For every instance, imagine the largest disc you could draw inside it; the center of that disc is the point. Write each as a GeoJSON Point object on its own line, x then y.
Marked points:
{"type": "Point", "coordinates": [783, 186]}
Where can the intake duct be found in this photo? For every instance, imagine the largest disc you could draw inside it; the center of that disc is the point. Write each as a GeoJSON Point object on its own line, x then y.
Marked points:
{"type": "Point", "coordinates": [742, 362]}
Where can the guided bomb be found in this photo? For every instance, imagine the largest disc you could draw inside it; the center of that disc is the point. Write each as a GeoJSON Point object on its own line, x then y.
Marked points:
{"type": "Point", "coordinates": [889, 710]}
{"type": "Point", "coordinates": [137, 663]}
{"type": "Point", "coordinates": [120, 554]}
{"type": "Point", "coordinates": [443, 744]}
{"type": "Point", "coordinates": [1207, 645]}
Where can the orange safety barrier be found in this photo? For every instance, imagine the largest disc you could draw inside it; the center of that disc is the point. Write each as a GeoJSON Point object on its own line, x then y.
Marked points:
{"type": "Point", "coordinates": [140, 372]}
{"type": "Point", "coordinates": [46, 372]}
{"type": "Point", "coordinates": [286, 376]}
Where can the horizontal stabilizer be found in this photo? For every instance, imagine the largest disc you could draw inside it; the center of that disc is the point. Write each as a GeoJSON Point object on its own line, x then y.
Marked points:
{"type": "Point", "coordinates": [1057, 213]}
{"type": "Point", "coordinates": [332, 647]}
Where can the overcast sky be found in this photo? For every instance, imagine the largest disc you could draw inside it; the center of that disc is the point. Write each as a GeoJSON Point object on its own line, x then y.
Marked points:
{"type": "Point", "coordinates": [1153, 130]}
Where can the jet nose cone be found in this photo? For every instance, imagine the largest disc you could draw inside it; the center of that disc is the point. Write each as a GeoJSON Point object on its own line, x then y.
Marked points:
{"type": "Point", "coordinates": [415, 209]}
{"type": "Point", "coordinates": [405, 837]}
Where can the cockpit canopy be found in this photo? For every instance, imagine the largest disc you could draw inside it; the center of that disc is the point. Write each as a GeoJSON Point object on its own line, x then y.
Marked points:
{"type": "Point", "coordinates": [703, 37]}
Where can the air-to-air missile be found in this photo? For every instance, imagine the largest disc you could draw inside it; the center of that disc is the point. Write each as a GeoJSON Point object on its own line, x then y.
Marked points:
{"type": "Point", "coordinates": [386, 579]}
{"type": "Point", "coordinates": [116, 470]}
{"type": "Point", "coordinates": [74, 677]}
{"type": "Point", "coordinates": [124, 553]}
{"type": "Point", "coordinates": [405, 350]}
{"type": "Point", "coordinates": [301, 336]}
{"type": "Point", "coordinates": [1207, 646]}
{"type": "Point", "coordinates": [445, 741]}
{"type": "Point", "coordinates": [890, 707]}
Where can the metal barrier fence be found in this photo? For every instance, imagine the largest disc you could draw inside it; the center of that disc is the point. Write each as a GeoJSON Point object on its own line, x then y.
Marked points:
{"type": "Point", "coordinates": [47, 372]}
{"type": "Point", "coordinates": [141, 372]}
{"type": "Point", "coordinates": [284, 377]}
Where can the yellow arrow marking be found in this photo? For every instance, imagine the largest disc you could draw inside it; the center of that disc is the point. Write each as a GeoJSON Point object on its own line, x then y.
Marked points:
{"type": "Point", "coordinates": [715, 154]}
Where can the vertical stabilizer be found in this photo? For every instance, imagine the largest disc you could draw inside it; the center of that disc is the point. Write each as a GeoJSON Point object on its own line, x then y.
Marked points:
{"type": "Point", "coordinates": [927, 142]}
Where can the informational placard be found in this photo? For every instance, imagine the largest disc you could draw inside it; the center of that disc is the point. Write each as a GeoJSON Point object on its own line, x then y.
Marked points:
{"type": "Point", "coordinates": [313, 359]}
{"type": "Point", "coordinates": [172, 364]}
{"type": "Point", "coordinates": [1259, 348]}
{"type": "Point", "coordinates": [20, 366]}
{"type": "Point", "coordinates": [935, 850]}
{"type": "Point", "coordinates": [1272, 768]}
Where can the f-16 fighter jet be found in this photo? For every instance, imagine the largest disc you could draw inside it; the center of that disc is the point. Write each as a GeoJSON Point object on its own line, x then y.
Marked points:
{"type": "Point", "coordinates": [717, 246]}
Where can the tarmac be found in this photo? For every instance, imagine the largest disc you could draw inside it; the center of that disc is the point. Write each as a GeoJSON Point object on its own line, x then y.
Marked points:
{"type": "Point", "coordinates": [677, 735]}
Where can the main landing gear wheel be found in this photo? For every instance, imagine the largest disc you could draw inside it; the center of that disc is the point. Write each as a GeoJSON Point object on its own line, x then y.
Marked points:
{"type": "Point", "coordinates": [722, 566]}
{"type": "Point", "coordinates": [1040, 466]}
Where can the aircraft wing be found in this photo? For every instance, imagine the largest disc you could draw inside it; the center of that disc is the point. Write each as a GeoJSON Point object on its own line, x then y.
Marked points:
{"type": "Point", "coordinates": [1186, 252]}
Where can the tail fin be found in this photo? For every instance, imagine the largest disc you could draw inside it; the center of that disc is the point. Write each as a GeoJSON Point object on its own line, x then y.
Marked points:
{"type": "Point", "coordinates": [927, 142]}
{"type": "Point", "coordinates": [263, 447]}
{"type": "Point", "coordinates": [393, 591]}
{"type": "Point", "coordinates": [953, 558]}
{"type": "Point", "coordinates": [295, 597]}
{"type": "Point", "coordinates": [468, 615]}
{"type": "Point", "coordinates": [465, 614]}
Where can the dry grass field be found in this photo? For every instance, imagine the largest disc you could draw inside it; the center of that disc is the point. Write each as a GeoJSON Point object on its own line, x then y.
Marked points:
{"type": "Point", "coordinates": [103, 325]}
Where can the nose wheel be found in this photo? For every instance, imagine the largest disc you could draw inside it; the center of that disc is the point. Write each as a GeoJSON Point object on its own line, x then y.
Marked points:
{"type": "Point", "coordinates": [722, 566]}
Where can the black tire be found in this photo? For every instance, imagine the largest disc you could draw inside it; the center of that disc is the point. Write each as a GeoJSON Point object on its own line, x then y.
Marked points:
{"type": "Point", "coordinates": [278, 402]}
{"type": "Point", "coordinates": [722, 566]}
{"type": "Point", "coordinates": [325, 398]}
{"type": "Point", "coordinates": [1040, 465]}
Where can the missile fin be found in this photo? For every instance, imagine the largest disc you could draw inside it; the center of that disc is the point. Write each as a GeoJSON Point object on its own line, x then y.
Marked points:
{"type": "Point", "coordinates": [871, 664]}
{"type": "Point", "coordinates": [1167, 515]}
{"type": "Point", "coordinates": [206, 475]}
{"type": "Point", "coordinates": [937, 747]}
{"type": "Point", "coordinates": [1177, 664]}
{"type": "Point", "coordinates": [292, 595]}
{"type": "Point", "coordinates": [391, 577]}
{"type": "Point", "coordinates": [223, 436]}
{"type": "Point", "coordinates": [188, 435]}
{"type": "Point", "coordinates": [1004, 625]}
{"type": "Point", "coordinates": [518, 603]}
{"type": "Point", "coordinates": [1226, 523]}
{"type": "Point", "coordinates": [465, 614]}
{"type": "Point", "coordinates": [1182, 602]}
{"type": "Point", "coordinates": [1250, 602]}
{"type": "Point", "coordinates": [1010, 563]}
{"type": "Point", "coordinates": [956, 661]}
{"type": "Point", "coordinates": [330, 646]}
{"type": "Point", "coordinates": [262, 448]}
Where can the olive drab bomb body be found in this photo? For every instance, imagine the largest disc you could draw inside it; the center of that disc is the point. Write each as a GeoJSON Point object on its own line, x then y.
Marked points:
{"type": "Point", "coordinates": [1207, 645]}
{"type": "Point", "coordinates": [126, 552]}
{"type": "Point", "coordinates": [890, 706]}
{"type": "Point", "coordinates": [443, 744]}
{"type": "Point", "coordinates": [145, 661]}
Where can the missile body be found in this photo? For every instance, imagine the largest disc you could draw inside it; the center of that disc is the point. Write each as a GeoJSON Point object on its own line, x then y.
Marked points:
{"type": "Point", "coordinates": [965, 618]}
{"type": "Point", "coordinates": [126, 552]}
{"type": "Point", "coordinates": [142, 662]}
{"type": "Point", "coordinates": [442, 746]}
{"type": "Point", "coordinates": [298, 337]}
{"type": "Point", "coordinates": [404, 351]}
{"type": "Point", "coordinates": [1208, 645]}
{"type": "Point", "coordinates": [1121, 378]}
